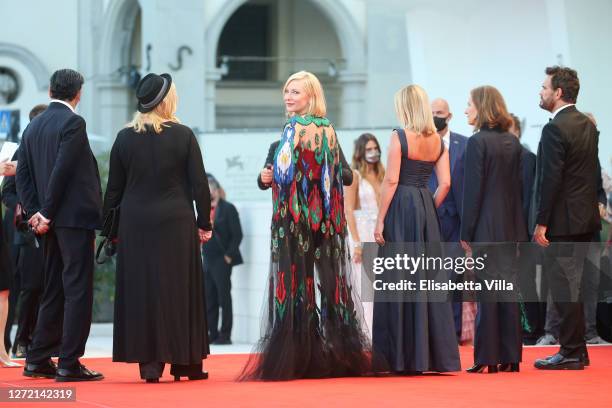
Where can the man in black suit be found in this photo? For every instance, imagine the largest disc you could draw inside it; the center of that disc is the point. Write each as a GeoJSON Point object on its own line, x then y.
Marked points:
{"type": "Point", "coordinates": [59, 186]}
{"type": "Point", "coordinates": [264, 179]}
{"type": "Point", "coordinates": [567, 176]}
{"type": "Point", "coordinates": [449, 212]}
{"type": "Point", "coordinates": [220, 254]}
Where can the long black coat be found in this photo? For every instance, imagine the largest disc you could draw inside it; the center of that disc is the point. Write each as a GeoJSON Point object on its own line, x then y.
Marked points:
{"type": "Point", "coordinates": [159, 313]}
{"type": "Point", "coordinates": [492, 204]}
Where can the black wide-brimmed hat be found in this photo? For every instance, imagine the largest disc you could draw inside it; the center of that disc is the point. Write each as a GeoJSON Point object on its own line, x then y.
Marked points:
{"type": "Point", "coordinates": [151, 90]}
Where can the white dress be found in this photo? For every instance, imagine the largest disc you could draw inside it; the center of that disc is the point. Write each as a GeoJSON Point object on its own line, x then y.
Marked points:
{"type": "Point", "coordinates": [365, 219]}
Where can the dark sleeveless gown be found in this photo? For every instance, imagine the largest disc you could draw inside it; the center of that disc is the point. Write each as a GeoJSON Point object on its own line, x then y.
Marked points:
{"type": "Point", "coordinates": [413, 337]}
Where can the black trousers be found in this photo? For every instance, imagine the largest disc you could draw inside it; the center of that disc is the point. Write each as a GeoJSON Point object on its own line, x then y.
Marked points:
{"type": "Point", "coordinates": [498, 338]}
{"type": "Point", "coordinates": [30, 265]}
{"type": "Point", "coordinates": [64, 317]}
{"type": "Point", "coordinates": [534, 302]}
{"type": "Point", "coordinates": [218, 286]}
{"type": "Point", "coordinates": [563, 265]}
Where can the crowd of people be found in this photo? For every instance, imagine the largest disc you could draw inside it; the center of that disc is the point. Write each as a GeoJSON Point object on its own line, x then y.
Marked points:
{"type": "Point", "coordinates": [174, 261]}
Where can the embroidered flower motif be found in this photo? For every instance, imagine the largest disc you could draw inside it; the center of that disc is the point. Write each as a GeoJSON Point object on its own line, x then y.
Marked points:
{"type": "Point", "coordinates": [294, 205]}
{"type": "Point", "coordinates": [283, 164]}
{"type": "Point", "coordinates": [281, 293]}
{"type": "Point", "coordinates": [337, 210]}
{"type": "Point", "coordinates": [294, 285]}
{"type": "Point", "coordinates": [314, 208]}
{"type": "Point", "coordinates": [326, 186]}
{"type": "Point", "coordinates": [310, 292]}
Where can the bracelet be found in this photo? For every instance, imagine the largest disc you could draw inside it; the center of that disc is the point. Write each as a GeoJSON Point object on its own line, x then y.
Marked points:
{"type": "Point", "coordinates": [358, 245]}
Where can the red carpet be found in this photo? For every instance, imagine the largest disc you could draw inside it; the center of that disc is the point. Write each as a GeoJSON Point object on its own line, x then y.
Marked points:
{"type": "Point", "coordinates": [529, 388]}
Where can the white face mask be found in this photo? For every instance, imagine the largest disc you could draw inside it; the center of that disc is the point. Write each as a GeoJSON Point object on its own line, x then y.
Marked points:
{"type": "Point", "coordinates": [372, 157]}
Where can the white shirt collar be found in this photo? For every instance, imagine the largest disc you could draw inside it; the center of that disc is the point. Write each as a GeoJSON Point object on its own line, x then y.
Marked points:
{"type": "Point", "coordinates": [63, 103]}
{"type": "Point", "coordinates": [560, 109]}
{"type": "Point", "coordinates": [446, 136]}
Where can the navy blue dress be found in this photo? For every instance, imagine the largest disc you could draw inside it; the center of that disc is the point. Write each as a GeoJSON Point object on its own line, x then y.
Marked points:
{"type": "Point", "coordinates": [411, 337]}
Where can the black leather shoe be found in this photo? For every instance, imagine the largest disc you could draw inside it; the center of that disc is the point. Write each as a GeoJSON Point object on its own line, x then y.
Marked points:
{"type": "Point", "coordinates": [222, 341]}
{"type": "Point", "coordinates": [152, 380]}
{"type": "Point", "coordinates": [479, 368]}
{"type": "Point", "coordinates": [559, 362]}
{"type": "Point", "coordinates": [44, 370]}
{"type": "Point", "coordinates": [201, 376]}
{"type": "Point", "coordinates": [585, 359]}
{"type": "Point", "coordinates": [81, 374]}
{"type": "Point", "coordinates": [509, 368]}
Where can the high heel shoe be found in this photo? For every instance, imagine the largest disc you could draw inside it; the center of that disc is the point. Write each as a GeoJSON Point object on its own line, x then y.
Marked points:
{"type": "Point", "coordinates": [201, 376]}
{"type": "Point", "coordinates": [479, 368]}
{"type": "Point", "coordinates": [509, 368]}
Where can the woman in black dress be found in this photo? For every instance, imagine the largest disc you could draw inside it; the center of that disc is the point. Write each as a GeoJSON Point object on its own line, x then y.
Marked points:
{"type": "Point", "coordinates": [156, 172]}
{"type": "Point", "coordinates": [492, 214]}
{"type": "Point", "coordinates": [413, 337]}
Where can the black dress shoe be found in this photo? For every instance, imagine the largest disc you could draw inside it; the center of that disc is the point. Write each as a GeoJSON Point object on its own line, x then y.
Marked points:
{"type": "Point", "coordinates": [201, 376]}
{"type": "Point", "coordinates": [47, 369]}
{"type": "Point", "coordinates": [479, 368]}
{"type": "Point", "coordinates": [585, 359]}
{"type": "Point", "coordinates": [509, 368]}
{"type": "Point", "coordinates": [81, 374]}
{"type": "Point", "coordinates": [559, 362]}
{"type": "Point", "coordinates": [222, 341]}
{"type": "Point", "coordinates": [152, 380]}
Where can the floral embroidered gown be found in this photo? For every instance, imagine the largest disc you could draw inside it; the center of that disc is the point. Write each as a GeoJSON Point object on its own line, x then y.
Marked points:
{"type": "Point", "coordinates": [311, 329]}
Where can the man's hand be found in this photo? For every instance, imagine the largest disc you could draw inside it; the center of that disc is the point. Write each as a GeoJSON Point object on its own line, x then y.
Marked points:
{"type": "Point", "coordinates": [266, 175]}
{"type": "Point", "coordinates": [8, 168]}
{"type": "Point", "coordinates": [467, 248]}
{"type": "Point", "coordinates": [204, 235]}
{"type": "Point", "coordinates": [539, 236]}
{"type": "Point", "coordinates": [39, 223]}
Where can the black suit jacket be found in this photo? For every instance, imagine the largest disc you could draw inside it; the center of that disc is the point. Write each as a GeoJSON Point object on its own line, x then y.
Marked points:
{"type": "Point", "coordinates": [568, 175]}
{"type": "Point", "coordinates": [347, 173]}
{"type": "Point", "coordinates": [492, 205]}
{"type": "Point", "coordinates": [57, 173]}
{"type": "Point", "coordinates": [227, 234]}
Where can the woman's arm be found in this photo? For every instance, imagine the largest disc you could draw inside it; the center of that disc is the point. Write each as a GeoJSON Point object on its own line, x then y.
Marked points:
{"type": "Point", "coordinates": [351, 203]}
{"type": "Point", "coordinates": [442, 170]}
{"type": "Point", "coordinates": [116, 180]}
{"type": "Point", "coordinates": [389, 185]}
{"type": "Point", "coordinates": [199, 184]}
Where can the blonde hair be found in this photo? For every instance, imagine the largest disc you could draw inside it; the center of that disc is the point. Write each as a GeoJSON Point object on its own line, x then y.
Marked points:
{"type": "Point", "coordinates": [314, 90]}
{"type": "Point", "coordinates": [164, 112]}
{"type": "Point", "coordinates": [413, 110]}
